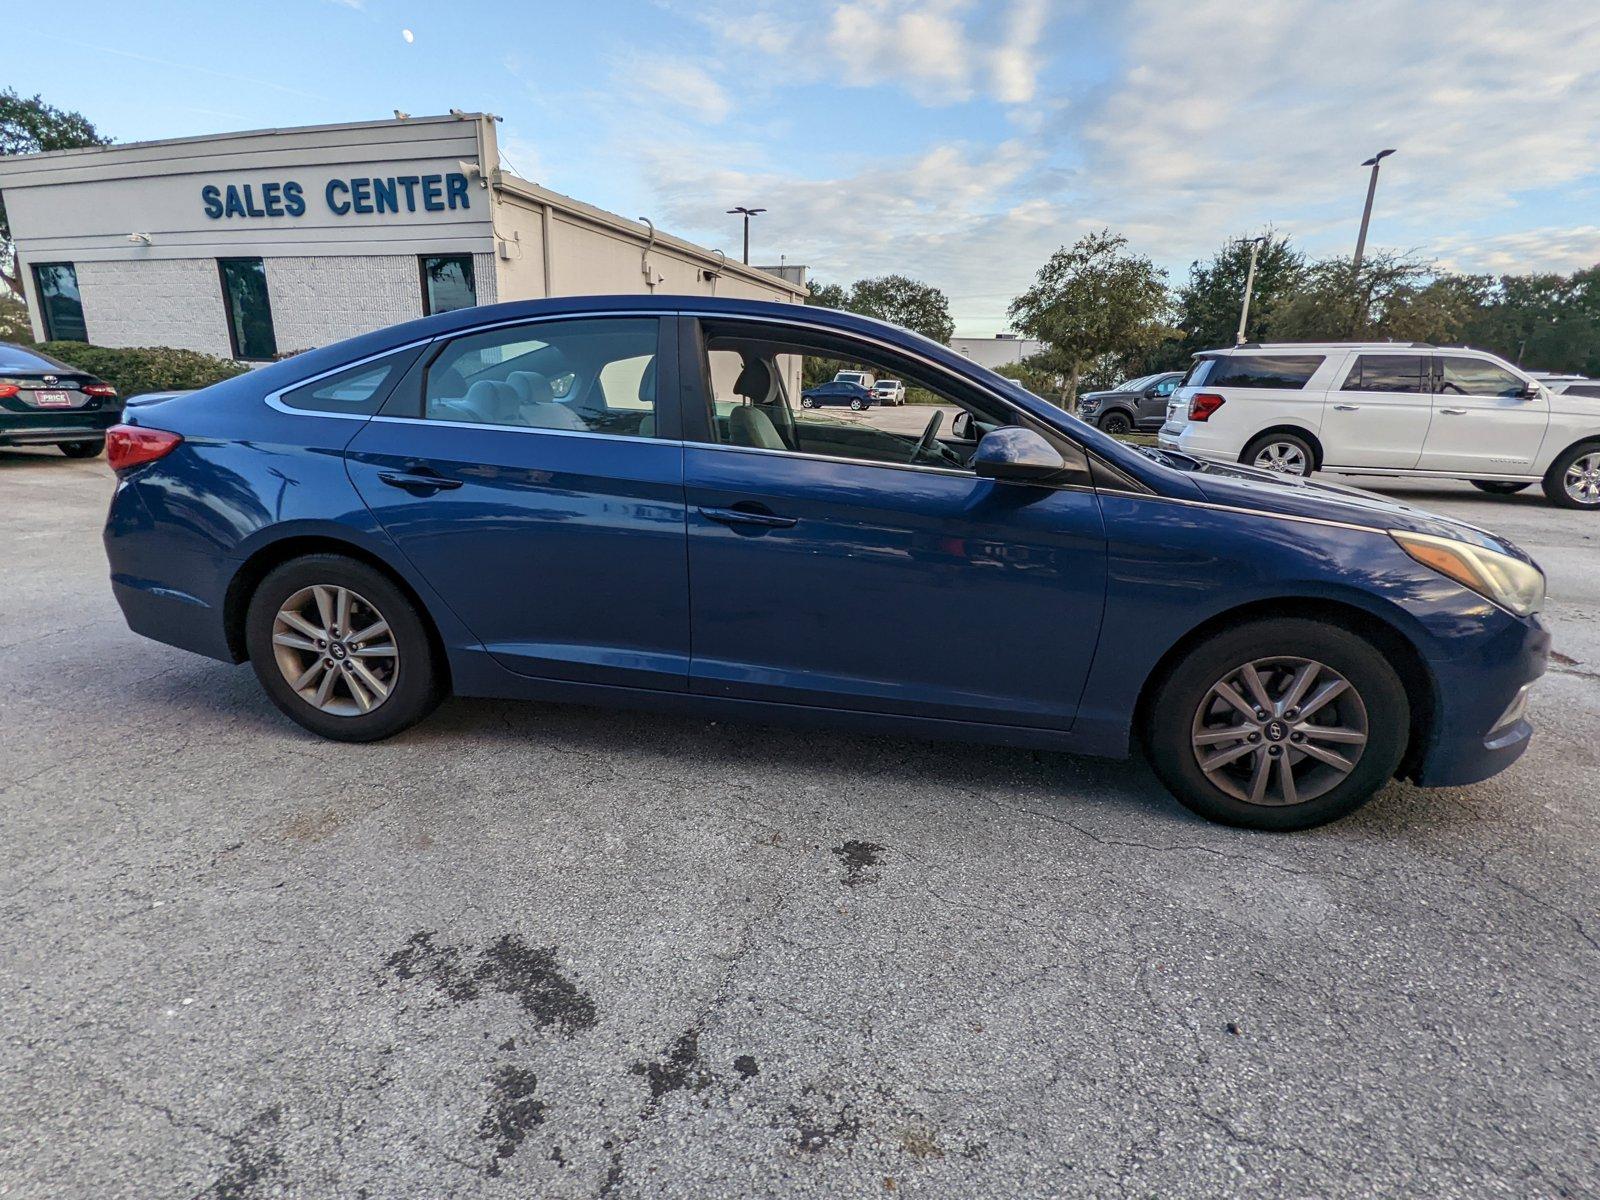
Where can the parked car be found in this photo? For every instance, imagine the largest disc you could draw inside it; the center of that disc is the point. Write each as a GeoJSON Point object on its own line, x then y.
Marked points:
{"type": "Point", "coordinates": [1572, 385]}
{"type": "Point", "coordinates": [838, 392]}
{"type": "Point", "coordinates": [1389, 408]}
{"type": "Point", "coordinates": [44, 401]}
{"type": "Point", "coordinates": [889, 391]}
{"type": "Point", "coordinates": [412, 512]}
{"type": "Point", "coordinates": [1138, 404]}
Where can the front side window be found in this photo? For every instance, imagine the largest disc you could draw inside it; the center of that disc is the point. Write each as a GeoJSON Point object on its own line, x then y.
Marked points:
{"type": "Point", "coordinates": [447, 283]}
{"type": "Point", "coordinates": [248, 309]}
{"type": "Point", "coordinates": [1289, 371]}
{"type": "Point", "coordinates": [1387, 373]}
{"type": "Point", "coordinates": [583, 376]}
{"type": "Point", "coordinates": [1461, 376]}
{"type": "Point", "coordinates": [59, 302]}
{"type": "Point", "coordinates": [1166, 387]}
{"type": "Point", "coordinates": [779, 390]}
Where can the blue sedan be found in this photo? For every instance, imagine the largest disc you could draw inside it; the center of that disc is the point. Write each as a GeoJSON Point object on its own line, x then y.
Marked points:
{"type": "Point", "coordinates": [616, 500]}
{"type": "Point", "coordinates": [839, 391]}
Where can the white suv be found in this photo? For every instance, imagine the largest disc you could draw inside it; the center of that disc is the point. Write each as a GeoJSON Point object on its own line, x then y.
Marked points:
{"type": "Point", "coordinates": [1388, 408]}
{"type": "Point", "coordinates": [889, 391]}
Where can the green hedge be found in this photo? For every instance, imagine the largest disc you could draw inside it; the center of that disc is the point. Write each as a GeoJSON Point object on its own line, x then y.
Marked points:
{"type": "Point", "coordinates": [145, 368]}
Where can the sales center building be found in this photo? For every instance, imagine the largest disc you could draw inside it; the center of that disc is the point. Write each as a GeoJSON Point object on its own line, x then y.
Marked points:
{"type": "Point", "coordinates": [254, 245]}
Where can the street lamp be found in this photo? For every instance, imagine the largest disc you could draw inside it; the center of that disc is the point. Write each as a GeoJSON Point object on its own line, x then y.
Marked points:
{"type": "Point", "coordinates": [1249, 286]}
{"type": "Point", "coordinates": [748, 213]}
{"type": "Point", "coordinates": [1366, 213]}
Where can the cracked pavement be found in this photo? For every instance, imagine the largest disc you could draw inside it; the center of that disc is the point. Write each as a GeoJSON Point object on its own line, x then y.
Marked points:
{"type": "Point", "coordinates": [528, 950]}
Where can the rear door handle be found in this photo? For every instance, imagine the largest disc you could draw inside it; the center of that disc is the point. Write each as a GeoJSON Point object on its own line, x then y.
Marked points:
{"type": "Point", "coordinates": [1346, 408]}
{"type": "Point", "coordinates": [1454, 412]}
{"type": "Point", "coordinates": [419, 483]}
{"type": "Point", "coordinates": [739, 516]}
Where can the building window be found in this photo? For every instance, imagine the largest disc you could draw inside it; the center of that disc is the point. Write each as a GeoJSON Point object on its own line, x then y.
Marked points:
{"type": "Point", "coordinates": [244, 296]}
{"type": "Point", "coordinates": [447, 283]}
{"type": "Point", "coordinates": [59, 303]}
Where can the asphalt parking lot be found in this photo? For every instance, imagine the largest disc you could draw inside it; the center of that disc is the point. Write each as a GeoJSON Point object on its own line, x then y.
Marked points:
{"type": "Point", "coordinates": [533, 951]}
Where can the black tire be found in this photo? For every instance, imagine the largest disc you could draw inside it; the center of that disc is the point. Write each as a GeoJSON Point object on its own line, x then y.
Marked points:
{"type": "Point", "coordinates": [417, 683]}
{"type": "Point", "coordinates": [1499, 487]}
{"type": "Point", "coordinates": [1308, 457]}
{"type": "Point", "coordinates": [82, 449]}
{"type": "Point", "coordinates": [1555, 479]}
{"type": "Point", "coordinates": [1116, 423]}
{"type": "Point", "coordinates": [1172, 717]}
{"type": "Point", "coordinates": [807, 402]}
{"type": "Point", "coordinates": [856, 406]}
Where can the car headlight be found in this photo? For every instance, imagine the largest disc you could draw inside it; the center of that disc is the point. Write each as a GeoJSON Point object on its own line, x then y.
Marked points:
{"type": "Point", "coordinates": [1509, 582]}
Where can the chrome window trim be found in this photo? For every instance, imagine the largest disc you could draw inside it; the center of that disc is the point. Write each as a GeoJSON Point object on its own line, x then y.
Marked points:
{"type": "Point", "coordinates": [275, 399]}
{"type": "Point", "coordinates": [959, 472]}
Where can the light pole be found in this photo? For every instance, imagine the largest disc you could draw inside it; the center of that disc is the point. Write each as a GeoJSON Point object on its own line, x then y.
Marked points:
{"type": "Point", "coordinates": [1366, 213]}
{"type": "Point", "coordinates": [748, 213]}
{"type": "Point", "coordinates": [1249, 286]}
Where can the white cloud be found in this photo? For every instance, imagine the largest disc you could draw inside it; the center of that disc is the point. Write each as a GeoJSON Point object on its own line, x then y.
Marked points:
{"type": "Point", "coordinates": [1547, 249]}
{"type": "Point", "coordinates": [925, 45]}
{"type": "Point", "coordinates": [684, 85]}
{"type": "Point", "coordinates": [1015, 62]}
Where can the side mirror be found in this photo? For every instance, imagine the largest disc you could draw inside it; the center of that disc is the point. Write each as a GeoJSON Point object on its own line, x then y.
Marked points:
{"type": "Point", "coordinates": [961, 427]}
{"type": "Point", "coordinates": [1531, 392]}
{"type": "Point", "coordinates": [1016, 455]}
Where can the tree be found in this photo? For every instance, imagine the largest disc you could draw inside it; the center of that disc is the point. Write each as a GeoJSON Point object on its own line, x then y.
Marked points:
{"type": "Point", "coordinates": [828, 295]}
{"type": "Point", "coordinates": [1208, 305]}
{"type": "Point", "coordinates": [1332, 305]}
{"type": "Point", "coordinates": [1091, 300]}
{"type": "Point", "coordinates": [919, 307]}
{"type": "Point", "coordinates": [30, 126]}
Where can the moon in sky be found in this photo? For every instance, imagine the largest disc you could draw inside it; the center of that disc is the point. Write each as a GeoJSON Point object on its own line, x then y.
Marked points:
{"type": "Point", "coordinates": [408, 35]}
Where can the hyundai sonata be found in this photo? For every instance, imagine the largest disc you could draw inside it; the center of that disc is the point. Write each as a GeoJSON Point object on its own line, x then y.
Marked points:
{"type": "Point", "coordinates": [620, 500]}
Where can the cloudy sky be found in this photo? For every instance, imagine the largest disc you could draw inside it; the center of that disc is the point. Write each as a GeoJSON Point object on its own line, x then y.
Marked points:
{"type": "Point", "coordinates": [960, 141]}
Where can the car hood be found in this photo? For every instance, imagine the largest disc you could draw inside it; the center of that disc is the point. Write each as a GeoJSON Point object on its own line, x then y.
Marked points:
{"type": "Point", "coordinates": [1269, 491]}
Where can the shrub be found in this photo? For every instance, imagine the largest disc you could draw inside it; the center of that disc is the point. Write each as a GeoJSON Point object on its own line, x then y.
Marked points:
{"type": "Point", "coordinates": [139, 369]}
{"type": "Point", "coordinates": [14, 326]}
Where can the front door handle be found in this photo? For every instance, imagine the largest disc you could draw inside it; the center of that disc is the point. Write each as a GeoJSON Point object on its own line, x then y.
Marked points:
{"type": "Point", "coordinates": [740, 516]}
{"type": "Point", "coordinates": [1454, 412]}
{"type": "Point", "coordinates": [418, 483]}
{"type": "Point", "coordinates": [1347, 408]}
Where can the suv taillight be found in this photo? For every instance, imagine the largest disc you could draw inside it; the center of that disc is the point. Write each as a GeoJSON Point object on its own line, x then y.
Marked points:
{"type": "Point", "coordinates": [1203, 404]}
{"type": "Point", "coordinates": [130, 446]}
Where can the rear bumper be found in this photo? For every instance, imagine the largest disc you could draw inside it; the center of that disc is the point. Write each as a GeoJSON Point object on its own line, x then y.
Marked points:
{"type": "Point", "coordinates": [1472, 739]}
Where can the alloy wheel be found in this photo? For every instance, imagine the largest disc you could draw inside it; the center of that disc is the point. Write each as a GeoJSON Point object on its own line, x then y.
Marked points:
{"type": "Point", "coordinates": [1582, 479]}
{"type": "Point", "coordinates": [1279, 731]}
{"type": "Point", "coordinates": [1284, 457]}
{"type": "Point", "coordinates": [336, 650]}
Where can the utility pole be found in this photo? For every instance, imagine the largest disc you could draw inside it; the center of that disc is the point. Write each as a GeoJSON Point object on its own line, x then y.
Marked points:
{"type": "Point", "coordinates": [1249, 286]}
{"type": "Point", "coordinates": [1366, 213]}
{"type": "Point", "coordinates": [748, 213]}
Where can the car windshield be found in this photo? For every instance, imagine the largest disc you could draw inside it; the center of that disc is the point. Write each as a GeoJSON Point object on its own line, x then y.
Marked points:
{"type": "Point", "coordinates": [1133, 385]}
{"type": "Point", "coordinates": [15, 358]}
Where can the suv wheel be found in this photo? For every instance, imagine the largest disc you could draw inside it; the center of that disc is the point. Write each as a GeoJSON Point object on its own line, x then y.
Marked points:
{"type": "Point", "coordinates": [1282, 452]}
{"type": "Point", "coordinates": [340, 649]}
{"type": "Point", "coordinates": [1499, 487]}
{"type": "Point", "coordinates": [1279, 724]}
{"type": "Point", "coordinates": [82, 449]}
{"type": "Point", "coordinates": [1573, 480]}
{"type": "Point", "coordinates": [1116, 423]}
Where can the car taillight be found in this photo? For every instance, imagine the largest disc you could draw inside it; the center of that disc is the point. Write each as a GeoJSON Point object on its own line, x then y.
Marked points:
{"type": "Point", "coordinates": [130, 446]}
{"type": "Point", "coordinates": [7, 390]}
{"type": "Point", "coordinates": [99, 389]}
{"type": "Point", "coordinates": [1204, 404]}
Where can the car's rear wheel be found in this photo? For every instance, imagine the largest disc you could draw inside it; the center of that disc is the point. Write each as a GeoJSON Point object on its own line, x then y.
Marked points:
{"type": "Point", "coordinates": [1278, 724]}
{"type": "Point", "coordinates": [1116, 423]}
{"type": "Point", "coordinates": [82, 449]}
{"type": "Point", "coordinates": [1499, 487]}
{"type": "Point", "coordinates": [1573, 480]}
{"type": "Point", "coordinates": [341, 649]}
{"type": "Point", "coordinates": [855, 406]}
{"type": "Point", "coordinates": [1282, 452]}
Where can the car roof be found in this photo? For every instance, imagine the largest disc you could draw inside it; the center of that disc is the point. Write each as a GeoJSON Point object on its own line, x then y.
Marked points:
{"type": "Point", "coordinates": [1326, 347]}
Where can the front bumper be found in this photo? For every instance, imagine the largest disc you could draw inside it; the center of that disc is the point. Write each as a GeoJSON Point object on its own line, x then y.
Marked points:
{"type": "Point", "coordinates": [1479, 726]}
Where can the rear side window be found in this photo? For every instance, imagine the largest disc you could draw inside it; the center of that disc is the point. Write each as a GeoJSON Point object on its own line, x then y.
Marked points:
{"type": "Point", "coordinates": [357, 391]}
{"type": "Point", "coordinates": [1387, 373]}
{"type": "Point", "coordinates": [1474, 377]}
{"type": "Point", "coordinates": [1262, 370]}
{"type": "Point", "coordinates": [1197, 372]}
{"type": "Point", "coordinates": [1584, 389]}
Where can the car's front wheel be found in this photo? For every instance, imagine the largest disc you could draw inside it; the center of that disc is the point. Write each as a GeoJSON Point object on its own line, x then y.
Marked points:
{"type": "Point", "coordinates": [341, 649]}
{"type": "Point", "coordinates": [1116, 423]}
{"type": "Point", "coordinates": [1573, 480]}
{"type": "Point", "coordinates": [1284, 453]}
{"type": "Point", "coordinates": [82, 449]}
{"type": "Point", "coordinates": [807, 402]}
{"type": "Point", "coordinates": [1278, 724]}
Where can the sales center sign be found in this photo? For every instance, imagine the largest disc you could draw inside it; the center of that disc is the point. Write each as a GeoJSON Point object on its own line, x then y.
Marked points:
{"type": "Point", "coordinates": [360, 194]}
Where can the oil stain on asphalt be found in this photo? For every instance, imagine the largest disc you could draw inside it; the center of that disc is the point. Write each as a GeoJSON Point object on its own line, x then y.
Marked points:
{"type": "Point", "coordinates": [509, 966]}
